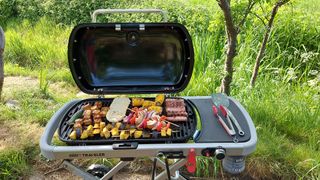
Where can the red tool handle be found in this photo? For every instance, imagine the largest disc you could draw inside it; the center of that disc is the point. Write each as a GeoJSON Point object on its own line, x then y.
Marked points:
{"type": "Point", "coordinates": [215, 110]}
{"type": "Point", "coordinates": [192, 162]}
{"type": "Point", "coordinates": [223, 110]}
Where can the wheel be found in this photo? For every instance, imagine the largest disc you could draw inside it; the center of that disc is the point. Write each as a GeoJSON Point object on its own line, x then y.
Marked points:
{"type": "Point", "coordinates": [98, 170]}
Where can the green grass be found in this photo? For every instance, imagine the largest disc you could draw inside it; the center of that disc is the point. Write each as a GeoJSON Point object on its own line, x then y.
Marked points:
{"type": "Point", "coordinates": [284, 105]}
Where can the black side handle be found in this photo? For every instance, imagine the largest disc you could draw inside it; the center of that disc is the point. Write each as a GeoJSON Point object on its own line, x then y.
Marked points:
{"type": "Point", "coordinates": [125, 145]}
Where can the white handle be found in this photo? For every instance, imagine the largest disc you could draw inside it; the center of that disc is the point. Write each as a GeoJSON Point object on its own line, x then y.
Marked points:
{"type": "Point", "coordinates": [111, 11]}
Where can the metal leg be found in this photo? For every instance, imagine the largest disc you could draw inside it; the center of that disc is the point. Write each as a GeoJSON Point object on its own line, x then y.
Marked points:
{"type": "Point", "coordinates": [174, 169]}
{"type": "Point", "coordinates": [77, 170]}
{"type": "Point", "coordinates": [115, 169]}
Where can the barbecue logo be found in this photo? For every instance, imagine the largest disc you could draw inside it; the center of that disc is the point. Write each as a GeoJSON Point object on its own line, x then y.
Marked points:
{"type": "Point", "coordinates": [86, 155]}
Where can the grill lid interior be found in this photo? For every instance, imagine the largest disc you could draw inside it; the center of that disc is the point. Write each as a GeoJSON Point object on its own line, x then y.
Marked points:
{"type": "Point", "coordinates": [130, 57]}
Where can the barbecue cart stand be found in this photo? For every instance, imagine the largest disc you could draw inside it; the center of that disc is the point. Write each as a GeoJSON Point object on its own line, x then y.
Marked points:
{"type": "Point", "coordinates": [211, 140]}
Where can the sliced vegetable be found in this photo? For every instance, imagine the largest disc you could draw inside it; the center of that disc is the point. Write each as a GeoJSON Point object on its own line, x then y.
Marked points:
{"type": "Point", "coordinates": [124, 135]}
{"type": "Point", "coordinates": [147, 103]}
{"type": "Point", "coordinates": [73, 135]}
{"type": "Point", "coordinates": [137, 134]}
{"type": "Point", "coordinates": [169, 131]}
{"type": "Point", "coordinates": [137, 101]}
{"type": "Point", "coordinates": [75, 116]}
{"type": "Point", "coordinates": [96, 131]}
{"type": "Point", "coordinates": [159, 99]}
{"type": "Point", "coordinates": [115, 132]}
{"type": "Point", "coordinates": [163, 132]}
{"type": "Point", "coordinates": [84, 134]}
{"type": "Point", "coordinates": [158, 109]}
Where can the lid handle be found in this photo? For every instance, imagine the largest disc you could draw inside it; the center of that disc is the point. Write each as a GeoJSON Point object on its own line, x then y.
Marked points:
{"type": "Point", "coordinates": [111, 11]}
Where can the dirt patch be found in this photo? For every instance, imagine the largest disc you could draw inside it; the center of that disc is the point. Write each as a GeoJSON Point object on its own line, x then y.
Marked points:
{"type": "Point", "coordinates": [17, 134]}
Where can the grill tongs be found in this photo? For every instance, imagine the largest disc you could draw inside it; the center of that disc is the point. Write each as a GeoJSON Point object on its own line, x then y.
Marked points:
{"type": "Point", "coordinates": [230, 131]}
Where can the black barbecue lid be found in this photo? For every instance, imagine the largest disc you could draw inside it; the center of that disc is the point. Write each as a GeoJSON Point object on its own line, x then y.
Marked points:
{"type": "Point", "coordinates": [130, 57]}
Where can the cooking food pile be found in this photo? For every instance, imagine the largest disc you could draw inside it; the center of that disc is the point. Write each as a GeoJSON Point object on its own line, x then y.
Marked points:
{"type": "Point", "coordinates": [127, 118]}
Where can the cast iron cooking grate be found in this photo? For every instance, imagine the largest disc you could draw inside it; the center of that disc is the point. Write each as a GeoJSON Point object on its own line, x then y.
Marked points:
{"type": "Point", "coordinates": [180, 135]}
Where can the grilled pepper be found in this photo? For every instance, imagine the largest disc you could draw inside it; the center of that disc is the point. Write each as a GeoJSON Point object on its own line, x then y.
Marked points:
{"type": "Point", "coordinates": [84, 134]}
{"type": "Point", "coordinates": [158, 109]}
{"type": "Point", "coordinates": [159, 99]}
{"type": "Point", "coordinates": [147, 103]}
{"type": "Point", "coordinates": [73, 135]}
{"type": "Point", "coordinates": [137, 134]}
{"type": "Point", "coordinates": [137, 101]}
{"type": "Point", "coordinates": [124, 135]}
{"type": "Point", "coordinates": [106, 133]}
{"type": "Point", "coordinates": [115, 132]}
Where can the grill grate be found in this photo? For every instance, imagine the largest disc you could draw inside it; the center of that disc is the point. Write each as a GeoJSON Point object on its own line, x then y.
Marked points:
{"type": "Point", "coordinates": [183, 134]}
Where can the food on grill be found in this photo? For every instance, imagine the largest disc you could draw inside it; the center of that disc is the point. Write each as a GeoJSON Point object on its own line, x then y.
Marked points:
{"type": "Point", "coordinates": [137, 134]}
{"type": "Point", "coordinates": [157, 109]}
{"type": "Point", "coordinates": [137, 101]}
{"type": "Point", "coordinates": [176, 110]}
{"type": "Point", "coordinates": [118, 109]}
{"type": "Point", "coordinates": [159, 99]}
{"type": "Point", "coordinates": [84, 134]}
{"type": "Point", "coordinates": [75, 116]}
{"type": "Point", "coordinates": [143, 120]}
{"type": "Point", "coordinates": [114, 132]}
{"type": "Point", "coordinates": [124, 134]}
{"type": "Point", "coordinates": [177, 118]}
{"type": "Point", "coordinates": [147, 103]}
{"type": "Point", "coordinates": [73, 135]}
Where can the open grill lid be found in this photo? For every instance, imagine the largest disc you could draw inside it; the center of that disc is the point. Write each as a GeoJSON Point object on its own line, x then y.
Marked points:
{"type": "Point", "coordinates": [132, 58]}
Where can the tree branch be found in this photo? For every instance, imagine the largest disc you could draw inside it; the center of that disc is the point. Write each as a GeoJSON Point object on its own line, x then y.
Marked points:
{"type": "Point", "coordinates": [260, 18]}
{"type": "Point", "coordinates": [248, 10]}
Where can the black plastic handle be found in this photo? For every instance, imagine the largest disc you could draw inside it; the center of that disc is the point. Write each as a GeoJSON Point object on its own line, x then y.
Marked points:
{"type": "Point", "coordinates": [125, 145]}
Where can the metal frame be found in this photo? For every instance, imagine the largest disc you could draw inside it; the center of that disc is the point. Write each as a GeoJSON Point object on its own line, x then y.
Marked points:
{"type": "Point", "coordinates": [111, 11]}
{"type": "Point", "coordinates": [143, 150]}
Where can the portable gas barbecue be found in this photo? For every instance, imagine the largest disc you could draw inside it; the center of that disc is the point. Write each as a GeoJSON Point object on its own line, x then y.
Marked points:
{"type": "Point", "coordinates": [146, 58]}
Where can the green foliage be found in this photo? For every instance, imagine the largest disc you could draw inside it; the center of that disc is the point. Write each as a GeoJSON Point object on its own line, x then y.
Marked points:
{"type": "Point", "coordinates": [13, 164]}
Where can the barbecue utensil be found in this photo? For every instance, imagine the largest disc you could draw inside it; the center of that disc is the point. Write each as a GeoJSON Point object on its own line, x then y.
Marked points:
{"type": "Point", "coordinates": [222, 100]}
{"type": "Point", "coordinates": [229, 131]}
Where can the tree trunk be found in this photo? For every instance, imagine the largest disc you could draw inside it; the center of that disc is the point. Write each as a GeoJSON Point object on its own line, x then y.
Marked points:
{"type": "Point", "coordinates": [231, 46]}
{"type": "Point", "coordinates": [2, 43]}
{"type": "Point", "coordinates": [264, 42]}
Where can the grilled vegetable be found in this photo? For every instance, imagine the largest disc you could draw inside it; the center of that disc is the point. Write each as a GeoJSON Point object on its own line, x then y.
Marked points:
{"type": "Point", "coordinates": [78, 132]}
{"type": "Point", "coordinates": [96, 126]}
{"type": "Point", "coordinates": [109, 126]}
{"type": "Point", "coordinates": [132, 132]}
{"type": "Point", "coordinates": [133, 119]}
{"type": "Point", "coordinates": [106, 132]}
{"type": "Point", "coordinates": [169, 131]}
{"type": "Point", "coordinates": [151, 124]}
{"type": "Point", "coordinates": [158, 109]}
{"type": "Point", "coordinates": [147, 103]}
{"type": "Point", "coordinates": [90, 130]}
{"type": "Point", "coordinates": [94, 108]}
{"type": "Point", "coordinates": [159, 99]}
{"type": "Point", "coordinates": [96, 131]}
{"type": "Point", "coordinates": [163, 132]}
{"type": "Point", "coordinates": [118, 124]}
{"type": "Point", "coordinates": [115, 132]}
{"type": "Point", "coordinates": [127, 118]}
{"type": "Point", "coordinates": [137, 101]}
{"type": "Point", "coordinates": [102, 125]}
{"type": "Point", "coordinates": [73, 135]}
{"type": "Point", "coordinates": [137, 134]}
{"type": "Point", "coordinates": [75, 116]}
{"type": "Point", "coordinates": [84, 134]}
{"type": "Point", "coordinates": [87, 113]}
{"type": "Point", "coordinates": [105, 108]}
{"type": "Point", "coordinates": [124, 135]}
